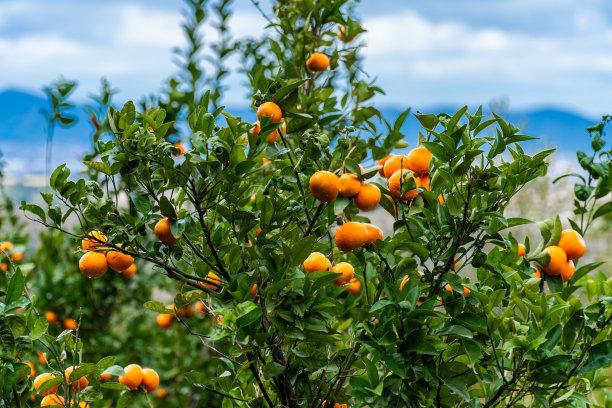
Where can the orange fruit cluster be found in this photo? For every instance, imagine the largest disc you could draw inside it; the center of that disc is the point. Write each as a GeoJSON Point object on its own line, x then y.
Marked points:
{"type": "Point", "coordinates": [50, 397]}
{"type": "Point", "coordinates": [571, 246]}
{"type": "Point", "coordinates": [137, 377]}
{"type": "Point", "coordinates": [352, 235]}
{"type": "Point", "coordinates": [399, 169]}
{"type": "Point", "coordinates": [316, 262]}
{"type": "Point", "coordinates": [6, 249]}
{"type": "Point", "coordinates": [325, 186]}
{"type": "Point", "coordinates": [98, 257]}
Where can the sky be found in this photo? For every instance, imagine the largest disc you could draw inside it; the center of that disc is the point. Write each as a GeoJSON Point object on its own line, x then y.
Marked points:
{"type": "Point", "coordinates": [544, 53]}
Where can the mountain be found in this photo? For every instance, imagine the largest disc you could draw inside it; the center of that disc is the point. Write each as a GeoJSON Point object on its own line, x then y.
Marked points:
{"type": "Point", "coordinates": [23, 133]}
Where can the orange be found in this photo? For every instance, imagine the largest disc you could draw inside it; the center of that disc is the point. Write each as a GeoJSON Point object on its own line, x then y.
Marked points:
{"type": "Point", "coordinates": [568, 271]}
{"type": "Point", "coordinates": [32, 371]}
{"type": "Point", "coordinates": [347, 271]}
{"type": "Point", "coordinates": [92, 244]}
{"type": "Point", "coordinates": [130, 271]}
{"type": "Point", "coordinates": [51, 317]}
{"type": "Point", "coordinates": [6, 246]}
{"type": "Point", "coordinates": [42, 359]}
{"type": "Point", "coordinates": [374, 233]}
{"type": "Point", "coordinates": [572, 243]}
{"type": "Point", "coordinates": [186, 311]}
{"type": "Point", "coordinates": [354, 286]}
{"type": "Point", "coordinates": [201, 308]}
{"type": "Point", "coordinates": [164, 320]}
{"type": "Point", "coordinates": [118, 260]}
{"type": "Point", "coordinates": [79, 384]}
{"type": "Point", "coordinates": [315, 262]}
{"type": "Point", "coordinates": [367, 198]}
{"type": "Point", "coordinates": [342, 37]}
{"type": "Point", "coordinates": [521, 250]}
{"type": "Point", "coordinates": [70, 324]}
{"type": "Point", "coordinates": [324, 186]}
{"type": "Point", "coordinates": [382, 162]}
{"type": "Point", "coordinates": [273, 136]}
{"type": "Point", "coordinates": [466, 291]}
{"type": "Point", "coordinates": [537, 273]}
{"type": "Point", "coordinates": [93, 264]}
{"type": "Point", "coordinates": [4, 267]}
{"type": "Point", "coordinates": [351, 235]}
{"type": "Point", "coordinates": [317, 62]}
{"type": "Point", "coordinates": [181, 148]}
{"type": "Point", "coordinates": [161, 393]}
{"type": "Point", "coordinates": [264, 160]}
{"type": "Point", "coordinates": [404, 281]}
{"type": "Point", "coordinates": [558, 260]}
{"type": "Point", "coordinates": [17, 256]}
{"type": "Point", "coordinates": [349, 184]}
{"type": "Point", "coordinates": [213, 277]}
{"type": "Point", "coordinates": [82, 404]}
{"type": "Point", "coordinates": [400, 177]}
{"type": "Point", "coordinates": [220, 319]}
{"type": "Point", "coordinates": [441, 199]}
{"type": "Point", "coordinates": [43, 378]}
{"type": "Point", "coordinates": [394, 163]}
{"type": "Point", "coordinates": [105, 377]}
{"type": "Point", "coordinates": [253, 290]}
{"type": "Point", "coordinates": [419, 159]}
{"type": "Point", "coordinates": [133, 376]}
{"type": "Point", "coordinates": [52, 400]}
{"type": "Point", "coordinates": [271, 110]}
{"type": "Point", "coordinates": [424, 180]}
{"type": "Point", "coordinates": [163, 233]}
{"type": "Point", "coordinates": [150, 379]}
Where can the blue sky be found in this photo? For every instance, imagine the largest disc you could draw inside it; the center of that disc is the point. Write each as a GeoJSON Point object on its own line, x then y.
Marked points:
{"type": "Point", "coordinates": [532, 53]}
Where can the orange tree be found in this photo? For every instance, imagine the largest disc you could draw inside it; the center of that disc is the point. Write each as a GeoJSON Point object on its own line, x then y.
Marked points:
{"type": "Point", "coordinates": [266, 224]}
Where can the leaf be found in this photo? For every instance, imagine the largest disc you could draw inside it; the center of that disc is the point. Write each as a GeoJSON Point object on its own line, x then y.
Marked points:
{"type": "Point", "coordinates": [15, 287]}
{"type": "Point", "coordinates": [166, 208]}
{"type": "Point", "coordinates": [50, 383]}
{"type": "Point", "coordinates": [157, 307]}
{"type": "Point", "coordinates": [84, 370]}
{"type": "Point", "coordinates": [48, 197]}
{"type": "Point", "coordinates": [126, 399]}
{"type": "Point", "coordinates": [437, 150]}
{"type": "Point", "coordinates": [34, 209]}
{"type": "Point", "coordinates": [98, 166]}
{"type": "Point", "coordinates": [456, 386]}
{"type": "Point", "coordinates": [428, 121]}
{"type": "Point", "coordinates": [603, 210]}
{"type": "Point", "coordinates": [286, 90]}
{"type": "Point", "coordinates": [600, 355]}
{"type": "Point", "coordinates": [114, 386]}
{"type": "Point", "coordinates": [40, 327]}
{"type": "Point", "coordinates": [105, 362]}
{"type": "Point", "coordinates": [301, 249]}
{"type": "Point", "coordinates": [272, 369]}
{"type": "Point", "coordinates": [352, 166]}
{"type": "Point", "coordinates": [397, 125]}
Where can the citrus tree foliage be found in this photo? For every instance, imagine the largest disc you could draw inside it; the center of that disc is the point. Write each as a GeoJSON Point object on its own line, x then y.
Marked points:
{"type": "Point", "coordinates": [500, 337]}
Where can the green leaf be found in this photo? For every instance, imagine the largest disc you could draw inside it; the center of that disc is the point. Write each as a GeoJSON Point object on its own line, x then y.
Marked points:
{"type": "Point", "coordinates": [15, 288]}
{"type": "Point", "coordinates": [428, 121]}
{"type": "Point", "coordinates": [40, 328]}
{"type": "Point", "coordinates": [84, 370]}
{"type": "Point", "coordinates": [456, 386]}
{"type": "Point", "coordinates": [157, 307]}
{"type": "Point", "coordinates": [166, 208]}
{"type": "Point", "coordinates": [105, 362]}
{"type": "Point", "coordinates": [600, 355]}
{"type": "Point", "coordinates": [114, 386]}
{"type": "Point", "coordinates": [34, 209]}
{"type": "Point", "coordinates": [126, 399]}
{"type": "Point", "coordinates": [98, 166]}
{"type": "Point", "coordinates": [352, 166]}
{"type": "Point", "coordinates": [272, 369]}
{"type": "Point", "coordinates": [301, 249]}
{"type": "Point", "coordinates": [50, 383]}
{"type": "Point", "coordinates": [48, 197]}
{"type": "Point", "coordinates": [437, 150]}
{"type": "Point", "coordinates": [286, 90]}
{"type": "Point", "coordinates": [603, 210]}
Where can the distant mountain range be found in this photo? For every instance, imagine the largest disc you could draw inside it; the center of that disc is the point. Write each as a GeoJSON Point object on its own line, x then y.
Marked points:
{"type": "Point", "coordinates": [23, 133]}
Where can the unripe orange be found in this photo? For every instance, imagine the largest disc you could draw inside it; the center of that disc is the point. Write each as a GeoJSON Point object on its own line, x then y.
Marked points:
{"type": "Point", "coordinates": [163, 232]}
{"type": "Point", "coordinates": [349, 184]}
{"type": "Point", "coordinates": [347, 271]}
{"type": "Point", "coordinates": [558, 260]}
{"type": "Point", "coordinates": [398, 179]}
{"type": "Point", "coordinates": [133, 376]}
{"type": "Point", "coordinates": [367, 198]}
{"type": "Point", "coordinates": [324, 186]}
{"type": "Point", "coordinates": [271, 110]}
{"type": "Point", "coordinates": [351, 235]}
{"type": "Point", "coordinates": [572, 243]}
{"type": "Point", "coordinates": [419, 159]}
{"type": "Point", "coordinates": [315, 262]}
{"type": "Point", "coordinates": [317, 62]}
{"type": "Point", "coordinates": [93, 264]}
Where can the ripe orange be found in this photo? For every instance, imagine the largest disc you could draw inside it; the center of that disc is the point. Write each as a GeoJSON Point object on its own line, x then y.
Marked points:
{"type": "Point", "coordinates": [572, 243]}
{"type": "Point", "coordinates": [43, 378]}
{"type": "Point", "coordinates": [324, 186]}
{"type": "Point", "coordinates": [105, 377]}
{"type": "Point", "coordinates": [82, 404]}
{"type": "Point", "coordinates": [317, 62]}
{"type": "Point", "coordinates": [568, 271]}
{"type": "Point", "coordinates": [161, 393]}
{"type": "Point", "coordinates": [382, 162]}
{"type": "Point", "coordinates": [537, 273]}
{"type": "Point", "coordinates": [273, 136]}
{"type": "Point", "coordinates": [17, 256]}
{"type": "Point", "coordinates": [130, 271]}
{"type": "Point", "coordinates": [419, 159]}
{"type": "Point", "coordinates": [32, 371]}
{"type": "Point", "coordinates": [424, 180]}
{"type": "Point", "coordinates": [6, 246]}
{"type": "Point", "coordinates": [201, 308]}
{"type": "Point", "coordinates": [93, 264]}
{"type": "Point", "coordinates": [118, 260]}
{"type": "Point", "coordinates": [51, 317]}
{"type": "Point", "coordinates": [150, 379]}
{"type": "Point", "coordinates": [70, 324]}
{"type": "Point", "coordinates": [521, 250]}
{"type": "Point", "coordinates": [133, 376]}
{"type": "Point", "coordinates": [347, 271]}
{"type": "Point", "coordinates": [374, 233]}
{"type": "Point", "coordinates": [164, 320]}
{"type": "Point", "coordinates": [315, 262]}
{"type": "Point", "coordinates": [186, 311]}
{"type": "Point", "coordinates": [42, 359]}
{"type": "Point", "coordinates": [220, 319]}
{"type": "Point", "coordinates": [271, 110]}
{"type": "Point", "coordinates": [253, 290]}
{"type": "Point", "coordinates": [77, 385]}
{"type": "Point", "coordinates": [367, 198]}
{"type": "Point", "coordinates": [353, 286]}
{"type": "Point", "coordinates": [394, 163]}
{"type": "Point", "coordinates": [351, 235]}
{"type": "Point", "coordinates": [466, 291]}
{"type": "Point", "coordinates": [163, 232]}
{"type": "Point", "coordinates": [558, 260]}
{"type": "Point", "coordinates": [92, 244]}
{"type": "Point", "coordinates": [400, 177]}
{"type": "Point", "coordinates": [4, 267]}
{"type": "Point", "coordinates": [213, 277]}
{"type": "Point", "coordinates": [181, 148]}
{"type": "Point", "coordinates": [52, 400]}
{"type": "Point", "coordinates": [349, 184]}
